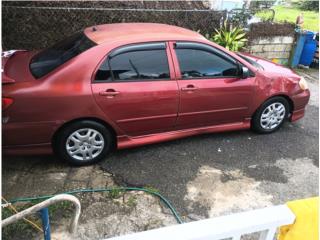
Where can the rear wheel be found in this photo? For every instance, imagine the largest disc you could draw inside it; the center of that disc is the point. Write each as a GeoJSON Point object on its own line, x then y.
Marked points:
{"type": "Point", "coordinates": [271, 115]}
{"type": "Point", "coordinates": [84, 142]}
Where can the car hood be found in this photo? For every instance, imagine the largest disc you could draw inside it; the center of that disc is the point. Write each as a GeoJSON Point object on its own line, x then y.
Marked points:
{"type": "Point", "coordinates": [272, 68]}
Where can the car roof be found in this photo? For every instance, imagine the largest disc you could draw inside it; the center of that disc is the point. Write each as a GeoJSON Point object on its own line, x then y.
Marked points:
{"type": "Point", "coordinates": [122, 31]}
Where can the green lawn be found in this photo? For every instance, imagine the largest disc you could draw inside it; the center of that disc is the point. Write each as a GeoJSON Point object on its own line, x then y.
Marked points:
{"type": "Point", "coordinates": [289, 14]}
{"type": "Point", "coordinates": [311, 18]}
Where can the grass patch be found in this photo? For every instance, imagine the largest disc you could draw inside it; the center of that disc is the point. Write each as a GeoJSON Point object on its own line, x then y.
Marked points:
{"type": "Point", "coordinates": [132, 201]}
{"type": "Point", "coordinates": [152, 189]}
{"type": "Point", "coordinates": [115, 193]}
{"type": "Point", "coordinates": [289, 14]}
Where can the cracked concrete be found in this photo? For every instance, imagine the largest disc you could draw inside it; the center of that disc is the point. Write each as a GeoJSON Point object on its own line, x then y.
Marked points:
{"type": "Point", "coordinates": [131, 212]}
{"type": "Point", "coordinates": [102, 215]}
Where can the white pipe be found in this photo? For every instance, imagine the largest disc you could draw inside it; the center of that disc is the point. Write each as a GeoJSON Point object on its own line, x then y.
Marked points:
{"type": "Point", "coordinates": [46, 203]}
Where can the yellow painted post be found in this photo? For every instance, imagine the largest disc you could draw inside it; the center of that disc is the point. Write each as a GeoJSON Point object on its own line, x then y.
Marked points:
{"type": "Point", "coordinates": [306, 225]}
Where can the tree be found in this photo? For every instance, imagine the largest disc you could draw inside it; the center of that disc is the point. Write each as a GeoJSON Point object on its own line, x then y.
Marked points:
{"type": "Point", "coordinates": [309, 5]}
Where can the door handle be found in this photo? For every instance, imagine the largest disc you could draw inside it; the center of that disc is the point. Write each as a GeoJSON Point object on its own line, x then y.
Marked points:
{"type": "Point", "coordinates": [109, 93]}
{"type": "Point", "coordinates": [189, 88]}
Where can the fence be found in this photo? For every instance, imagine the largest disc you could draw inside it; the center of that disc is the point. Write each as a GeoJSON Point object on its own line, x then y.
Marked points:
{"type": "Point", "coordinates": [37, 26]}
{"type": "Point", "coordinates": [266, 221]}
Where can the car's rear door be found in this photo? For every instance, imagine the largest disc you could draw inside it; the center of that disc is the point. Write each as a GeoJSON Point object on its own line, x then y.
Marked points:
{"type": "Point", "coordinates": [211, 89]}
{"type": "Point", "coordinates": [135, 86]}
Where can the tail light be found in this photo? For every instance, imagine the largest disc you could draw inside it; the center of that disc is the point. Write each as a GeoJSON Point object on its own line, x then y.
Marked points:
{"type": "Point", "coordinates": [6, 102]}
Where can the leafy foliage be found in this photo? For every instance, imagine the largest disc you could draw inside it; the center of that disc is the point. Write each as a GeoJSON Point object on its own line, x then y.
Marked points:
{"type": "Point", "coordinates": [232, 39]}
{"type": "Point", "coordinates": [309, 5]}
{"type": "Point", "coordinates": [261, 4]}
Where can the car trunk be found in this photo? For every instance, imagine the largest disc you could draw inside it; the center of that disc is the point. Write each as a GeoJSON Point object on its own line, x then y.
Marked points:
{"type": "Point", "coordinates": [15, 66]}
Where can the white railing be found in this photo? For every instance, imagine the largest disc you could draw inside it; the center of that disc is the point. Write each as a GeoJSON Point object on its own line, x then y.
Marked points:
{"type": "Point", "coordinates": [266, 221]}
{"type": "Point", "coordinates": [47, 203]}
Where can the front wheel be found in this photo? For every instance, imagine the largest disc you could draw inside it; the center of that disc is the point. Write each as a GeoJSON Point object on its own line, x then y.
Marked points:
{"type": "Point", "coordinates": [84, 142]}
{"type": "Point", "coordinates": [271, 115]}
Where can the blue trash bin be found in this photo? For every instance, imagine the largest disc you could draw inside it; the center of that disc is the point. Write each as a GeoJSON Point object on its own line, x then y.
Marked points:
{"type": "Point", "coordinates": [309, 49]}
{"type": "Point", "coordinates": [301, 38]}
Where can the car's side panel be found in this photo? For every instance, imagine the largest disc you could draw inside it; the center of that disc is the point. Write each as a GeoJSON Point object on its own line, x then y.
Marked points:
{"type": "Point", "coordinates": [214, 101]}
{"type": "Point", "coordinates": [141, 106]}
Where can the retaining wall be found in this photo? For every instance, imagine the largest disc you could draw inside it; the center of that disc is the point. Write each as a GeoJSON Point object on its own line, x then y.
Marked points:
{"type": "Point", "coordinates": [276, 49]}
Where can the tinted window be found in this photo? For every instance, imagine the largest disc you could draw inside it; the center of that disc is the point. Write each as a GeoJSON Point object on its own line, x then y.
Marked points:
{"type": "Point", "coordinates": [135, 65]}
{"type": "Point", "coordinates": [51, 58]}
{"type": "Point", "coordinates": [252, 62]}
{"type": "Point", "coordinates": [195, 63]}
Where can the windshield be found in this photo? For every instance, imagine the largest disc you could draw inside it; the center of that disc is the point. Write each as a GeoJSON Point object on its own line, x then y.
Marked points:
{"type": "Point", "coordinates": [252, 62]}
{"type": "Point", "coordinates": [51, 58]}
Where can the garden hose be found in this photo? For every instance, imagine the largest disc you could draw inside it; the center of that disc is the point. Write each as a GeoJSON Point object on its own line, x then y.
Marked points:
{"type": "Point", "coordinates": [88, 190]}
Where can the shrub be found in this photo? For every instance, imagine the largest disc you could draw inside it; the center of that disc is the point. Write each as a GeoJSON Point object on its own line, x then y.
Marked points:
{"type": "Point", "coordinates": [232, 39]}
{"type": "Point", "coordinates": [309, 5]}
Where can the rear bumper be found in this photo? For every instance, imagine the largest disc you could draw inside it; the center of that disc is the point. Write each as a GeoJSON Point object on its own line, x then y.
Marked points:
{"type": "Point", "coordinates": [27, 133]}
{"type": "Point", "coordinates": [29, 138]}
{"type": "Point", "coordinates": [299, 101]}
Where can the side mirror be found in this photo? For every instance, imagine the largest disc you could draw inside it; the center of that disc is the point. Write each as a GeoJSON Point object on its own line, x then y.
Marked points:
{"type": "Point", "coordinates": [245, 73]}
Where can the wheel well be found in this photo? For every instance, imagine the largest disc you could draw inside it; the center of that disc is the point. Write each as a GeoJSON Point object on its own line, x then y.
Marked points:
{"type": "Point", "coordinates": [289, 100]}
{"type": "Point", "coordinates": [108, 126]}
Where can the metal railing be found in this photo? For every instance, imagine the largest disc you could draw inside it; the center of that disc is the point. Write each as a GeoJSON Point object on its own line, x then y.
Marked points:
{"type": "Point", "coordinates": [43, 209]}
{"type": "Point", "coordinates": [266, 221]}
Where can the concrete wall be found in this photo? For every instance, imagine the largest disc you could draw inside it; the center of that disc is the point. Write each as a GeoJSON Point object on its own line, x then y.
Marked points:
{"type": "Point", "coordinates": [277, 49]}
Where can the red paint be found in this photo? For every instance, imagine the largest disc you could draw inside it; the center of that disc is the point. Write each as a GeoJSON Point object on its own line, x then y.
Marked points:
{"type": "Point", "coordinates": [139, 112]}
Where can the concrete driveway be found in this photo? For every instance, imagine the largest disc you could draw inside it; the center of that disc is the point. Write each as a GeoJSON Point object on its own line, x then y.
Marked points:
{"type": "Point", "coordinates": [214, 174]}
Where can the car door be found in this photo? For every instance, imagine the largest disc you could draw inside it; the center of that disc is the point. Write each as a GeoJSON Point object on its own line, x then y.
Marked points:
{"type": "Point", "coordinates": [211, 90]}
{"type": "Point", "coordinates": [135, 87]}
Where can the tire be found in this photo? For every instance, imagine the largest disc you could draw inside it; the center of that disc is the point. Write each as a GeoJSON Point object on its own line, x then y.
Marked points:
{"type": "Point", "coordinates": [83, 143]}
{"type": "Point", "coordinates": [275, 111]}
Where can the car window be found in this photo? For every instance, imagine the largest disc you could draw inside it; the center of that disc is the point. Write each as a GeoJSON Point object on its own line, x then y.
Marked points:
{"type": "Point", "coordinates": [135, 65]}
{"type": "Point", "coordinates": [252, 62]}
{"type": "Point", "coordinates": [197, 63]}
{"type": "Point", "coordinates": [51, 58]}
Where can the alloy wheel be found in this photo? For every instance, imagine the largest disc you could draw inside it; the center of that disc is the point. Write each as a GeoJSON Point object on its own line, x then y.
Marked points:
{"type": "Point", "coordinates": [272, 116]}
{"type": "Point", "coordinates": [85, 144]}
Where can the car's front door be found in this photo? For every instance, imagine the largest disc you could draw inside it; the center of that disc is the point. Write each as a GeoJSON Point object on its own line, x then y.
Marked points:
{"type": "Point", "coordinates": [211, 89]}
{"type": "Point", "coordinates": [135, 87]}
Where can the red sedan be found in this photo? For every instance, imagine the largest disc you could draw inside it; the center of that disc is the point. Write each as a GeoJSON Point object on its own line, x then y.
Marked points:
{"type": "Point", "coordinates": [124, 85]}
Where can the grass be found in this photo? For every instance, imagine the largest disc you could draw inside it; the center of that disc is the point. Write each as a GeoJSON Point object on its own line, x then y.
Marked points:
{"type": "Point", "coordinates": [289, 14]}
{"type": "Point", "coordinates": [115, 193]}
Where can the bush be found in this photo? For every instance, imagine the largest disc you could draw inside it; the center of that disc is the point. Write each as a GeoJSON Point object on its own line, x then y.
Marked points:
{"type": "Point", "coordinates": [309, 5]}
{"type": "Point", "coordinates": [232, 39]}
{"type": "Point", "coordinates": [270, 29]}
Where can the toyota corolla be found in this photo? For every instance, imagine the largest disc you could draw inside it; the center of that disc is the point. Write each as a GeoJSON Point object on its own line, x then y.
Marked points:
{"type": "Point", "coordinates": [116, 86]}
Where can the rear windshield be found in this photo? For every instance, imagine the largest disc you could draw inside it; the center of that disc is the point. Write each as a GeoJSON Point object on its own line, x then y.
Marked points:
{"type": "Point", "coordinates": [51, 58]}
{"type": "Point", "coordinates": [252, 62]}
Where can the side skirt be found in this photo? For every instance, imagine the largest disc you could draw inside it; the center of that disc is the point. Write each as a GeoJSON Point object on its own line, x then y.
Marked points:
{"type": "Point", "coordinates": [128, 142]}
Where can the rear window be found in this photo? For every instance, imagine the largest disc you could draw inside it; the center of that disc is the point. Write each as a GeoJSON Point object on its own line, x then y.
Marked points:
{"type": "Point", "coordinates": [51, 58]}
